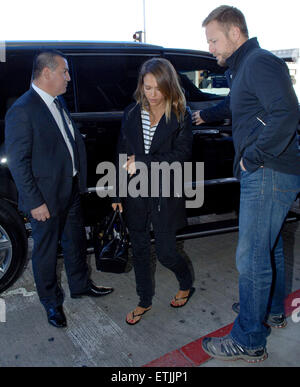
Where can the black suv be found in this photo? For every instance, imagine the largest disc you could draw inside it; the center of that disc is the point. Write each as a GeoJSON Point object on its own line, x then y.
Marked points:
{"type": "Point", "coordinates": [103, 79]}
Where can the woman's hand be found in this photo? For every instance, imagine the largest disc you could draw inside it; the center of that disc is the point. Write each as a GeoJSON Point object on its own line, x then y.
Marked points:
{"type": "Point", "coordinates": [130, 165]}
{"type": "Point", "coordinates": [116, 206]}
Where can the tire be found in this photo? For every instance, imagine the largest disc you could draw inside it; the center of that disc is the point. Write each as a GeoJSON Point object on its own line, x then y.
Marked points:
{"type": "Point", "coordinates": [13, 245]}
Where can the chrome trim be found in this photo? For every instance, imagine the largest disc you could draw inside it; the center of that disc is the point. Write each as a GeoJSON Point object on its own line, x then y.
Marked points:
{"type": "Point", "coordinates": [117, 115]}
{"type": "Point", "coordinates": [194, 184]}
{"type": "Point", "coordinates": [5, 252]}
{"type": "Point", "coordinates": [206, 131]}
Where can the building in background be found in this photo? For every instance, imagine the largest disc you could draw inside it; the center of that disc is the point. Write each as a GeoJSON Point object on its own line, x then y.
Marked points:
{"type": "Point", "coordinates": [292, 58]}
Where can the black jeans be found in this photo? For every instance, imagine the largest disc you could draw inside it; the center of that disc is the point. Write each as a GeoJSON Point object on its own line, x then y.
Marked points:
{"type": "Point", "coordinates": [165, 245]}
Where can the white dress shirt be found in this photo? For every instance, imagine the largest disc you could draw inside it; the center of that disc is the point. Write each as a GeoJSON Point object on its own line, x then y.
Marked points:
{"type": "Point", "coordinates": [49, 101]}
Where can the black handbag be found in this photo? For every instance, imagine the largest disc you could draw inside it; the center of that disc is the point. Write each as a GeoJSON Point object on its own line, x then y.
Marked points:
{"type": "Point", "coordinates": [111, 245]}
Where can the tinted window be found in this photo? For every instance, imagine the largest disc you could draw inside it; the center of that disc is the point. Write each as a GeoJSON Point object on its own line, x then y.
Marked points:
{"type": "Point", "coordinates": [208, 82]}
{"type": "Point", "coordinates": [106, 82]}
{"type": "Point", "coordinates": [15, 76]}
{"type": "Point", "coordinates": [201, 78]}
{"type": "Point", "coordinates": [15, 80]}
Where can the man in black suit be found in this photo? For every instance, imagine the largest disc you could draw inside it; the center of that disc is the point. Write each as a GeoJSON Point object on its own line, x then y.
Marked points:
{"type": "Point", "coordinates": [46, 156]}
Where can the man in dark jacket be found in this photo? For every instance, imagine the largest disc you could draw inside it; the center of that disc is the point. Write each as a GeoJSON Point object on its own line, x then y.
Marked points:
{"type": "Point", "coordinates": [265, 117]}
{"type": "Point", "coordinates": [46, 156]}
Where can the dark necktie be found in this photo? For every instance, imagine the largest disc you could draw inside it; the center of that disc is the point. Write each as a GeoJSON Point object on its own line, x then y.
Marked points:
{"type": "Point", "coordinates": [69, 134]}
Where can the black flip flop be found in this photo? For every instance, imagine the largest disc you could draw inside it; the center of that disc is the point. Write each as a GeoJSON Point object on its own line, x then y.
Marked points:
{"type": "Point", "coordinates": [192, 291]}
{"type": "Point", "coordinates": [137, 315]}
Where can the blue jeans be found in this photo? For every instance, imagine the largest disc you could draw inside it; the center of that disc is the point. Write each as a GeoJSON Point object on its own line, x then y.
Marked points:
{"type": "Point", "coordinates": [266, 197]}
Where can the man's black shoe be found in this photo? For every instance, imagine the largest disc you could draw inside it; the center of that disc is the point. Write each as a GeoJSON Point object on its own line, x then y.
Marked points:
{"type": "Point", "coordinates": [94, 291]}
{"type": "Point", "coordinates": [56, 317]}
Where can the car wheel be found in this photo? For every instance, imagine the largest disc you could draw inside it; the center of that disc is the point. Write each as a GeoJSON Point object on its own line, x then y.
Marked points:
{"type": "Point", "coordinates": [13, 245]}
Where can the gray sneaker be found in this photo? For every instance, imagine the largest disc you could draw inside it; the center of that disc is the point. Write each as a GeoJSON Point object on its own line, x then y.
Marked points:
{"type": "Point", "coordinates": [274, 320]}
{"type": "Point", "coordinates": [225, 348]}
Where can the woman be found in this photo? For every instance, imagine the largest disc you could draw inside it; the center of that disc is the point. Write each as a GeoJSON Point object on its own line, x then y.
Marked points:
{"type": "Point", "coordinates": [154, 130]}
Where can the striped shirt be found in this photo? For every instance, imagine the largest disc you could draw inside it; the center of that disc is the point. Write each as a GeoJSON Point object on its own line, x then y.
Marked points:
{"type": "Point", "coordinates": [148, 130]}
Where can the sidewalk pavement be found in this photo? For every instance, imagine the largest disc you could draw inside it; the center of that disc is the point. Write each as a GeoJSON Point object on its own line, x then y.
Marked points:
{"type": "Point", "coordinates": [98, 336]}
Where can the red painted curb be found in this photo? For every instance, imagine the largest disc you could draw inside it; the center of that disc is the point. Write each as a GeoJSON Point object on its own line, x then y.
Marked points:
{"type": "Point", "coordinates": [192, 355]}
{"type": "Point", "coordinates": [289, 308]}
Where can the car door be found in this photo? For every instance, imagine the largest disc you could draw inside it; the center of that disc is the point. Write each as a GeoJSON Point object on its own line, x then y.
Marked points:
{"type": "Point", "coordinates": [205, 85]}
{"type": "Point", "coordinates": [105, 83]}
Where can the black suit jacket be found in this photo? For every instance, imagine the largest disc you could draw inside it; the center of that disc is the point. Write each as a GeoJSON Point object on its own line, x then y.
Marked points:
{"type": "Point", "coordinates": [38, 157]}
{"type": "Point", "coordinates": [172, 142]}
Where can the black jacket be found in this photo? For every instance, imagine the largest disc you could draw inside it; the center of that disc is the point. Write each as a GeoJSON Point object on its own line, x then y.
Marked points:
{"type": "Point", "coordinates": [172, 142]}
{"type": "Point", "coordinates": [38, 157]}
{"type": "Point", "coordinates": [265, 111]}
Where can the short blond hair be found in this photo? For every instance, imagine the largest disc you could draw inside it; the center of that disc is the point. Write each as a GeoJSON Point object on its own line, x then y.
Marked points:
{"type": "Point", "coordinates": [228, 16]}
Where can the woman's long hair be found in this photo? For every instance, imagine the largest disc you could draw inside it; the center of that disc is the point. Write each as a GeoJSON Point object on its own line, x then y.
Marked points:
{"type": "Point", "coordinates": [168, 83]}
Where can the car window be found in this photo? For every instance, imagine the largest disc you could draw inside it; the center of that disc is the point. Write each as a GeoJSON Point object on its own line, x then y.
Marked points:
{"type": "Point", "coordinates": [106, 82]}
{"type": "Point", "coordinates": [201, 78]}
{"type": "Point", "coordinates": [15, 80]}
{"type": "Point", "coordinates": [206, 82]}
{"type": "Point", "coordinates": [15, 76]}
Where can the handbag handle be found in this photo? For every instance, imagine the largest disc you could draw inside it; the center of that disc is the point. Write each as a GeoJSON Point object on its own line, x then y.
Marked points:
{"type": "Point", "coordinates": [111, 222]}
{"type": "Point", "coordinates": [113, 218]}
{"type": "Point", "coordinates": [123, 225]}
{"type": "Point", "coordinates": [123, 228]}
